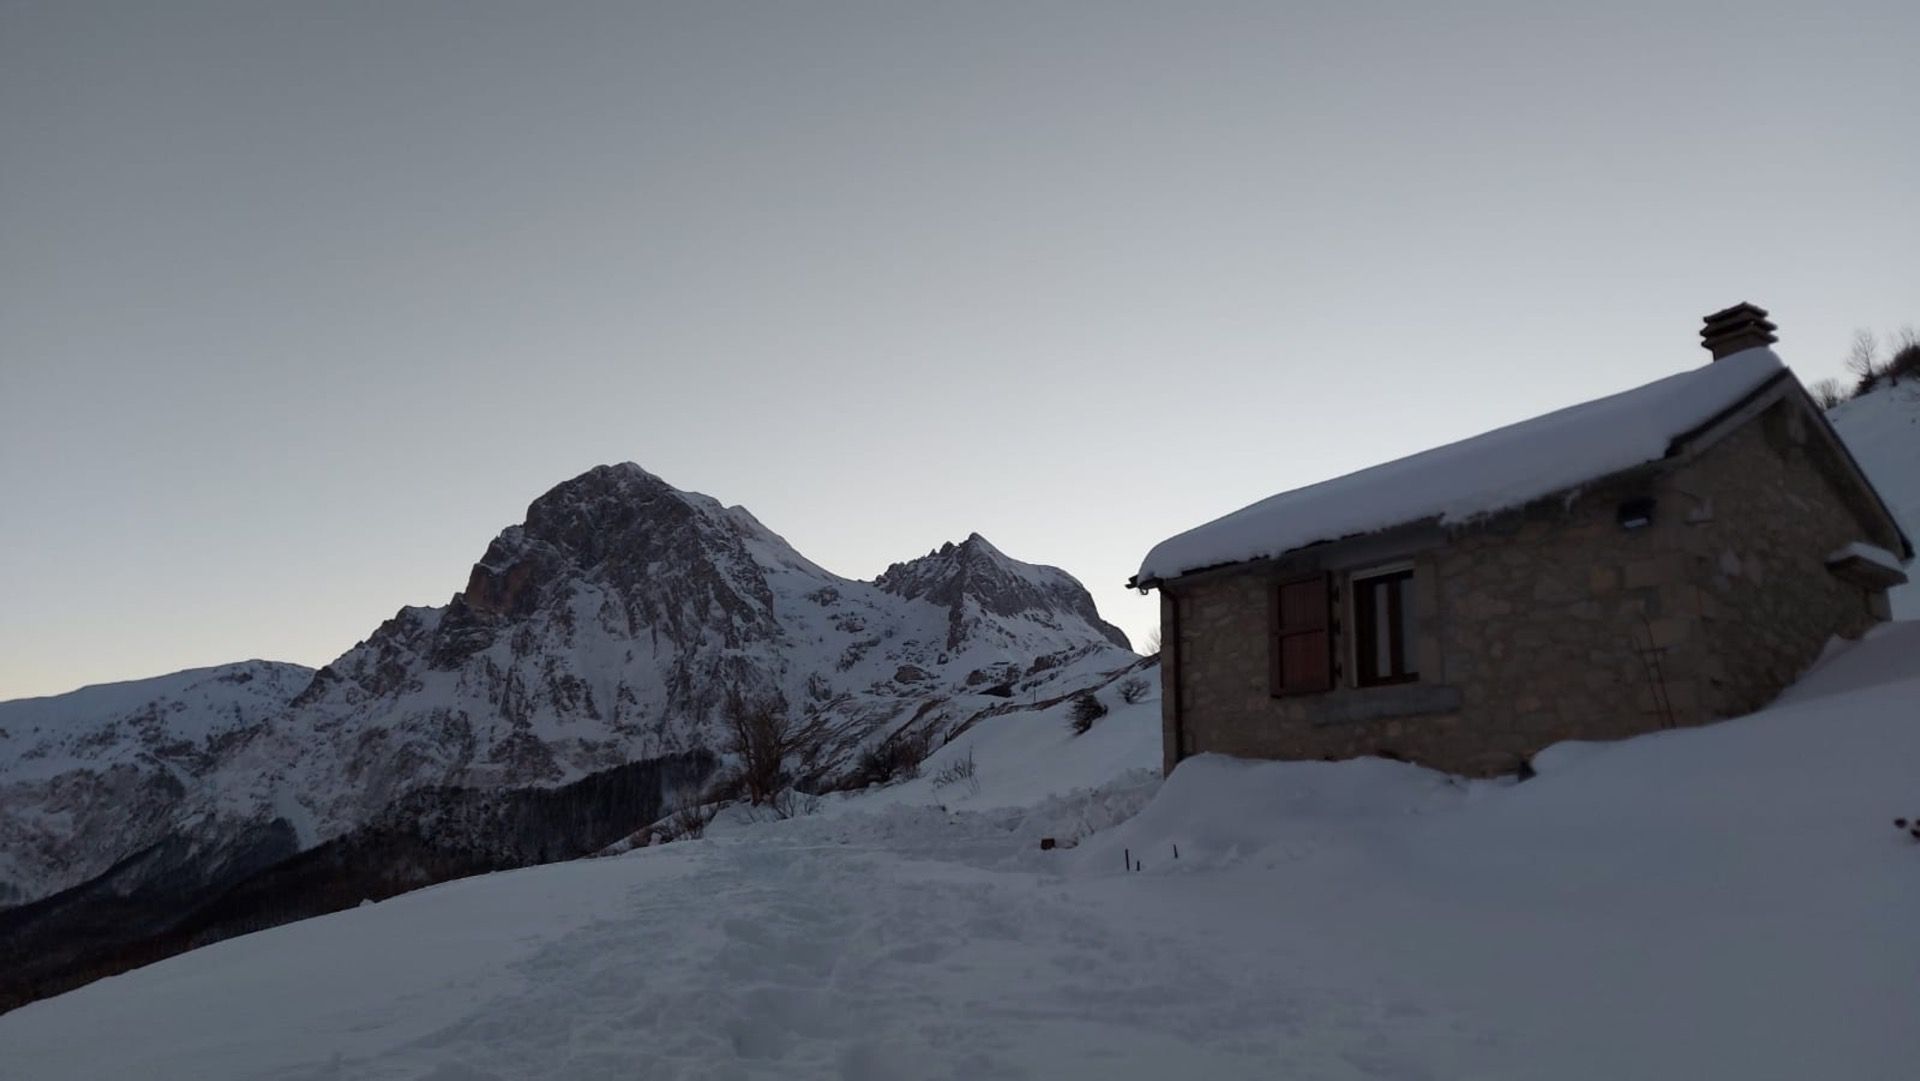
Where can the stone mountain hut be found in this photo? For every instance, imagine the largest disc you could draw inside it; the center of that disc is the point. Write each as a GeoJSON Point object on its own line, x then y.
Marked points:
{"type": "Point", "coordinates": [1670, 555]}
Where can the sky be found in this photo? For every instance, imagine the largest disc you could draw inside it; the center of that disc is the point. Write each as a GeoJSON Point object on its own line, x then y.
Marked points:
{"type": "Point", "coordinates": [301, 304]}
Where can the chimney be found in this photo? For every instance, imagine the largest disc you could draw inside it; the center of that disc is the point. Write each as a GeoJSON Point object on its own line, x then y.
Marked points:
{"type": "Point", "coordinates": [1742, 326]}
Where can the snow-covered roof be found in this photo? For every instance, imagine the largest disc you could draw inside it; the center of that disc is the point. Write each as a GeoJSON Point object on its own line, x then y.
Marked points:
{"type": "Point", "coordinates": [1503, 468]}
{"type": "Point", "coordinates": [1869, 553]}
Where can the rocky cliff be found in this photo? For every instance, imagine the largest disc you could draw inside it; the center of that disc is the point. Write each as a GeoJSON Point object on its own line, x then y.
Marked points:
{"type": "Point", "coordinates": [607, 628]}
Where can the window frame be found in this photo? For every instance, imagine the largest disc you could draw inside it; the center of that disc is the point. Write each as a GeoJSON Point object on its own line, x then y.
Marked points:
{"type": "Point", "coordinates": [1357, 624]}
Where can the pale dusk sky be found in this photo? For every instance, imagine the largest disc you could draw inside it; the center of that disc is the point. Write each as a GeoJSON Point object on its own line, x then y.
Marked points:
{"type": "Point", "coordinates": [301, 304]}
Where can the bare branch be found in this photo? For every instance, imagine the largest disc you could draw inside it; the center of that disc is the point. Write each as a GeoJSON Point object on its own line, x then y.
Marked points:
{"type": "Point", "coordinates": [1828, 392]}
{"type": "Point", "coordinates": [1863, 358]}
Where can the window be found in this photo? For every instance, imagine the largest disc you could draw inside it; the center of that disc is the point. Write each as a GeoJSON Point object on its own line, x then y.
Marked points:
{"type": "Point", "coordinates": [1382, 628]}
{"type": "Point", "coordinates": [1300, 643]}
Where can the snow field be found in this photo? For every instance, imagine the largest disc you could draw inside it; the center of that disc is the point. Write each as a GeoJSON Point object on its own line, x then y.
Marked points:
{"type": "Point", "coordinates": [1723, 902]}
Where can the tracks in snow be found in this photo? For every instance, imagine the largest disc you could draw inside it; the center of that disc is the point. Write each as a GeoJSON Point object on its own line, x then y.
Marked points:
{"type": "Point", "coordinates": [838, 950]}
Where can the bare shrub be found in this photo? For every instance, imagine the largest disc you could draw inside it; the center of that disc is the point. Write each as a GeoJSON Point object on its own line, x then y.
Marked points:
{"type": "Point", "coordinates": [1087, 708]}
{"type": "Point", "coordinates": [897, 758]}
{"type": "Point", "coordinates": [1828, 393]}
{"type": "Point", "coordinates": [689, 821]}
{"type": "Point", "coordinates": [693, 810]}
{"type": "Point", "coordinates": [1905, 361]}
{"type": "Point", "coordinates": [1863, 361]}
{"type": "Point", "coordinates": [762, 736]}
{"type": "Point", "coordinates": [959, 771]}
{"type": "Point", "coordinates": [792, 803]}
{"type": "Point", "coordinates": [1870, 367]}
{"type": "Point", "coordinates": [1134, 689]}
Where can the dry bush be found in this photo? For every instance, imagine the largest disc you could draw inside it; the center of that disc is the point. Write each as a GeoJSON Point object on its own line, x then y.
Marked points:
{"type": "Point", "coordinates": [792, 803]}
{"type": "Point", "coordinates": [762, 737]}
{"type": "Point", "coordinates": [1133, 689]}
{"type": "Point", "coordinates": [1863, 361]}
{"type": "Point", "coordinates": [1905, 361]}
{"type": "Point", "coordinates": [959, 771]}
{"type": "Point", "coordinates": [1087, 708]}
{"type": "Point", "coordinates": [693, 810]}
{"type": "Point", "coordinates": [1828, 393]}
{"type": "Point", "coordinates": [897, 758]}
{"type": "Point", "coordinates": [1868, 366]}
{"type": "Point", "coordinates": [689, 821]}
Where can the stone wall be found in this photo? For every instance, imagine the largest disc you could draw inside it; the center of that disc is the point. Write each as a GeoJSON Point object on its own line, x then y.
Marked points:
{"type": "Point", "coordinates": [1765, 602]}
{"type": "Point", "coordinates": [1549, 623]}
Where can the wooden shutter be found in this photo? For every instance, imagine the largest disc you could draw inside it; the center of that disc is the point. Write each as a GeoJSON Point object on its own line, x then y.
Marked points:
{"type": "Point", "coordinates": [1301, 645]}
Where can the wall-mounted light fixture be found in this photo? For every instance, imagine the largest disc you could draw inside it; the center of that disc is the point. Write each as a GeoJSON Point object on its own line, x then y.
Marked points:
{"type": "Point", "coordinates": [1635, 513]}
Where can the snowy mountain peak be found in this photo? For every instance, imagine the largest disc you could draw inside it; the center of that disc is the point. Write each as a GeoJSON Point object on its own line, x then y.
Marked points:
{"type": "Point", "coordinates": [591, 516]}
{"type": "Point", "coordinates": [973, 578]}
{"type": "Point", "coordinates": [608, 628]}
{"type": "Point", "coordinates": [662, 555]}
{"type": "Point", "coordinates": [619, 513]}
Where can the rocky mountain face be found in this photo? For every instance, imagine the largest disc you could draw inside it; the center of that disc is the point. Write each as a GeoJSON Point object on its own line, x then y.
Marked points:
{"type": "Point", "coordinates": [180, 893]}
{"type": "Point", "coordinates": [977, 585]}
{"type": "Point", "coordinates": [89, 777]}
{"type": "Point", "coordinates": [612, 625]}
{"type": "Point", "coordinates": [607, 629]}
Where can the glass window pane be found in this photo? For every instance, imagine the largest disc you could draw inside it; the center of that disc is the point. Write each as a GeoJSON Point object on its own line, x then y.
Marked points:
{"type": "Point", "coordinates": [1382, 643]}
{"type": "Point", "coordinates": [1403, 591]}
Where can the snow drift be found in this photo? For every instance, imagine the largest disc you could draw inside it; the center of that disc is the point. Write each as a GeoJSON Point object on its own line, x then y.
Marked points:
{"type": "Point", "coordinates": [1722, 902]}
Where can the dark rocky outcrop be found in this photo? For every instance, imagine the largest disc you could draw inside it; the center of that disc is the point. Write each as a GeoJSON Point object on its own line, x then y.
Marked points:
{"type": "Point", "coordinates": [92, 930]}
{"type": "Point", "coordinates": [620, 524]}
{"type": "Point", "coordinates": [178, 895]}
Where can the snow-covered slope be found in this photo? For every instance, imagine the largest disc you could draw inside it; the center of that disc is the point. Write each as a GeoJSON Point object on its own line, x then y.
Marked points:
{"type": "Point", "coordinates": [1882, 429]}
{"type": "Point", "coordinates": [1721, 902]}
{"type": "Point", "coordinates": [613, 624]}
{"type": "Point", "coordinates": [609, 627]}
{"type": "Point", "coordinates": [88, 776]}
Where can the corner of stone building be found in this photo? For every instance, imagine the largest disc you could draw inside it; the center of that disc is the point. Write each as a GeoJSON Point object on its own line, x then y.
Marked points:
{"type": "Point", "coordinates": [1764, 602]}
{"type": "Point", "coordinates": [1170, 734]}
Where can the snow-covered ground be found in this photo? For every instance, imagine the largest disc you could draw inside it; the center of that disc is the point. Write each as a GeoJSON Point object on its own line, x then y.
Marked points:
{"type": "Point", "coordinates": [1724, 902]}
{"type": "Point", "coordinates": [1882, 429]}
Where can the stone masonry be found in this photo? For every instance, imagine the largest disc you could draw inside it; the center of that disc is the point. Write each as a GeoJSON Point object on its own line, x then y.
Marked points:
{"type": "Point", "coordinates": [1552, 622]}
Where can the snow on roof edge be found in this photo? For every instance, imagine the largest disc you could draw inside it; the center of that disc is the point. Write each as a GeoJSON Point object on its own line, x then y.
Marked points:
{"type": "Point", "coordinates": [1872, 553]}
{"type": "Point", "coordinates": [1470, 478]}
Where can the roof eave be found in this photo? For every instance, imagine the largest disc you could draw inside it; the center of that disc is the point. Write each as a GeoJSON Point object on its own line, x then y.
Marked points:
{"type": "Point", "coordinates": [1780, 386]}
{"type": "Point", "coordinates": [1859, 474]}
